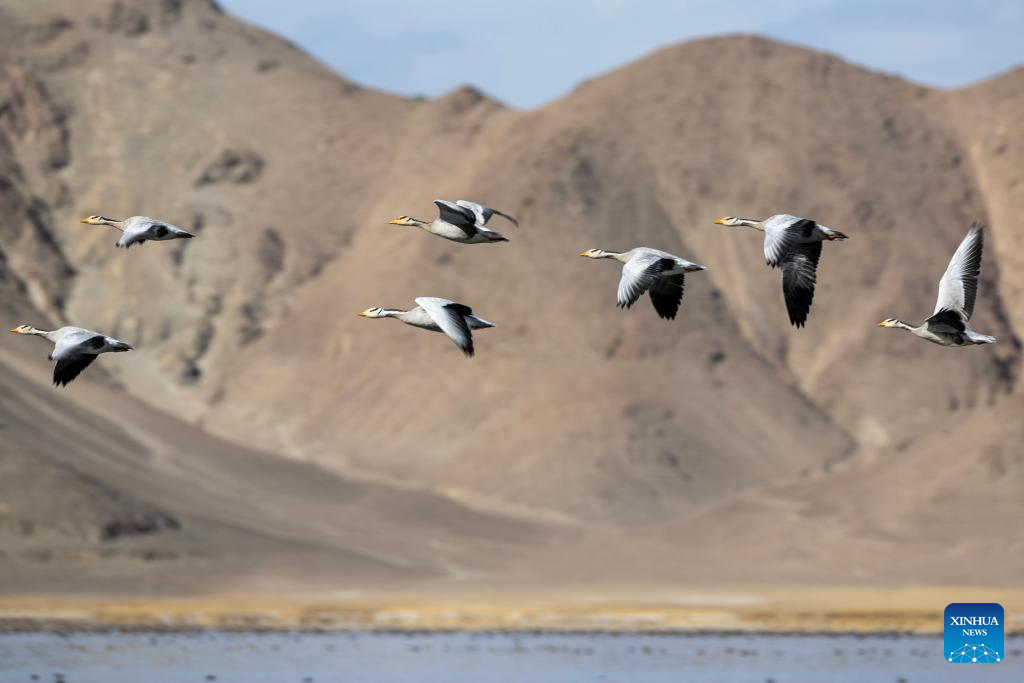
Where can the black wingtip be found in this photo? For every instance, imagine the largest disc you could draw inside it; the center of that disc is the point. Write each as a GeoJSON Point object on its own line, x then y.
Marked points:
{"type": "Point", "coordinates": [797, 321]}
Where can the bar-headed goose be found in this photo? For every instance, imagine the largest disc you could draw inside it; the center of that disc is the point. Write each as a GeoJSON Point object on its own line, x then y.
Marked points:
{"type": "Point", "coordinates": [74, 349]}
{"type": "Point", "coordinates": [458, 222]}
{"type": "Point", "coordinates": [948, 325]}
{"type": "Point", "coordinates": [438, 315]}
{"type": "Point", "coordinates": [138, 229]}
{"type": "Point", "coordinates": [793, 244]}
{"type": "Point", "coordinates": [645, 269]}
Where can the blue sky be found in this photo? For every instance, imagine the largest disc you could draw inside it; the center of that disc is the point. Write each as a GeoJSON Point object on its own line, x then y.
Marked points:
{"type": "Point", "coordinates": [528, 52]}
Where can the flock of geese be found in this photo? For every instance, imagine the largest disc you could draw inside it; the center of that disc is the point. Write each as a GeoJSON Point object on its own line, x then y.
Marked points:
{"type": "Point", "coordinates": [791, 244]}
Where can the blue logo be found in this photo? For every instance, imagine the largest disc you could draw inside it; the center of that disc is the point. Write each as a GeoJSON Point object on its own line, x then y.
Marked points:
{"type": "Point", "coordinates": [974, 633]}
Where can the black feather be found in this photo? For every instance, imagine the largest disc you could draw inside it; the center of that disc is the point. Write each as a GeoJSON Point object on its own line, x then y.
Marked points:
{"type": "Point", "coordinates": [799, 275]}
{"type": "Point", "coordinates": [946, 320]}
{"type": "Point", "coordinates": [461, 309]}
{"type": "Point", "coordinates": [457, 315]}
{"type": "Point", "coordinates": [666, 295]}
{"type": "Point", "coordinates": [804, 227]}
{"type": "Point", "coordinates": [505, 215]}
{"type": "Point", "coordinates": [69, 368]}
{"type": "Point", "coordinates": [971, 269]}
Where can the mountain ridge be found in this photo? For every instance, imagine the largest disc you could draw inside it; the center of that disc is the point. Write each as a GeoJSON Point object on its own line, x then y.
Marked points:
{"type": "Point", "coordinates": [581, 437]}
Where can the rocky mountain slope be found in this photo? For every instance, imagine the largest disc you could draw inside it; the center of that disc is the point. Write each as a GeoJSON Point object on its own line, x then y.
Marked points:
{"type": "Point", "coordinates": [678, 451]}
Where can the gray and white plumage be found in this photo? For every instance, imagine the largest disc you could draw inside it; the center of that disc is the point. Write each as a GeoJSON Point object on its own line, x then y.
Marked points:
{"type": "Point", "coordinates": [485, 213]}
{"type": "Point", "coordinates": [74, 349]}
{"type": "Point", "coordinates": [462, 221]}
{"type": "Point", "coordinates": [958, 287]}
{"type": "Point", "coordinates": [657, 272]}
{"type": "Point", "coordinates": [438, 315]}
{"type": "Point", "coordinates": [792, 244]}
{"type": "Point", "coordinates": [954, 306]}
{"type": "Point", "coordinates": [139, 229]}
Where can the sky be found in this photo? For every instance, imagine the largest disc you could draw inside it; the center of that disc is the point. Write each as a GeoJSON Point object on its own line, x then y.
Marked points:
{"type": "Point", "coordinates": [529, 52]}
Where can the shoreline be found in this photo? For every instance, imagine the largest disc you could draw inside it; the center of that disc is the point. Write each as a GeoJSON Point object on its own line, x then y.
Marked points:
{"type": "Point", "coordinates": [816, 611]}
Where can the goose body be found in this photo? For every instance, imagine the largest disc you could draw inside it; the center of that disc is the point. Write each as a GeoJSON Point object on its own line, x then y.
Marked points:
{"type": "Point", "coordinates": [958, 288]}
{"type": "Point", "coordinates": [139, 229]}
{"type": "Point", "coordinates": [461, 221]}
{"type": "Point", "coordinates": [650, 270]}
{"type": "Point", "coordinates": [794, 245]}
{"type": "Point", "coordinates": [438, 315]}
{"type": "Point", "coordinates": [74, 349]}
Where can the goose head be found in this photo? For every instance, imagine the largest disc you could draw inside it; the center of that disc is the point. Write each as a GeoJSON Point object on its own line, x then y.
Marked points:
{"type": "Point", "coordinates": [403, 220]}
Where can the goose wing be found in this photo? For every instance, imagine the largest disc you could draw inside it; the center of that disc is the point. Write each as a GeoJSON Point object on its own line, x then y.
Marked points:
{"type": "Point", "coordinates": [74, 352]}
{"type": "Point", "coordinates": [71, 367]}
{"type": "Point", "coordinates": [135, 232]}
{"type": "Point", "coordinates": [75, 340]}
{"type": "Point", "coordinates": [484, 213]}
{"type": "Point", "coordinates": [451, 318]}
{"type": "Point", "coordinates": [666, 295]}
{"type": "Point", "coordinates": [799, 274]}
{"type": "Point", "coordinates": [641, 272]}
{"type": "Point", "coordinates": [462, 218]}
{"type": "Point", "coordinates": [166, 231]}
{"type": "Point", "coordinates": [946, 321]}
{"type": "Point", "coordinates": [959, 284]}
{"type": "Point", "coordinates": [781, 234]}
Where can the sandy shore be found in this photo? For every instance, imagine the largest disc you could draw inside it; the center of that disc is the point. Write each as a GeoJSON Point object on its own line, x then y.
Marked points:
{"type": "Point", "coordinates": [767, 610]}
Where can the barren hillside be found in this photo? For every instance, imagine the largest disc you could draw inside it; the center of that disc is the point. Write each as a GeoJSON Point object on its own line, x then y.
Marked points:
{"type": "Point", "coordinates": [582, 442]}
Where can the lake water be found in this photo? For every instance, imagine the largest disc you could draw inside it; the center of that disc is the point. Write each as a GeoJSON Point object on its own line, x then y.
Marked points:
{"type": "Point", "coordinates": [487, 658]}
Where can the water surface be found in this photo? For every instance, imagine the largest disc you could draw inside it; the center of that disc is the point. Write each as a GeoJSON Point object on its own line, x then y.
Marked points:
{"type": "Point", "coordinates": [487, 658]}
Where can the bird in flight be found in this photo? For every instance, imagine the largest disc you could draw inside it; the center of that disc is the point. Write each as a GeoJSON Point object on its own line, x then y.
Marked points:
{"type": "Point", "coordinates": [794, 245]}
{"type": "Point", "coordinates": [138, 229]}
{"type": "Point", "coordinates": [437, 315]}
{"type": "Point", "coordinates": [650, 270]}
{"type": "Point", "coordinates": [74, 349]}
{"type": "Point", "coordinates": [461, 221]}
{"type": "Point", "coordinates": [949, 323]}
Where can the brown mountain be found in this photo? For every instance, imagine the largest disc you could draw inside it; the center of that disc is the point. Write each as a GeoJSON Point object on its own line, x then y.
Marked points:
{"type": "Point", "coordinates": [261, 430]}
